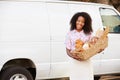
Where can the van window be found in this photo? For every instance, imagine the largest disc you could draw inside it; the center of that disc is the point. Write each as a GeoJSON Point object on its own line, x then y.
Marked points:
{"type": "Point", "coordinates": [111, 19]}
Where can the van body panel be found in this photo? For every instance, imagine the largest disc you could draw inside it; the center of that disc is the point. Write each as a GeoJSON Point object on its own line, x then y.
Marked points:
{"type": "Point", "coordinates": [24, 33]}
{"type": "Point", "coordinates": [59, 26]}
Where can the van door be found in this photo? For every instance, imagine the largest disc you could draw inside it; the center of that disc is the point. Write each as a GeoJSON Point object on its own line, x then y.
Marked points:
{"type": "Point", "coordinates": [59, 26]}
{"type": "Point", "coordinates": [111, 58]}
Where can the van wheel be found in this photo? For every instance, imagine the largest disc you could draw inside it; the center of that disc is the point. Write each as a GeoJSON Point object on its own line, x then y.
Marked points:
{"type": "Point", "coordinates": [15, 73]}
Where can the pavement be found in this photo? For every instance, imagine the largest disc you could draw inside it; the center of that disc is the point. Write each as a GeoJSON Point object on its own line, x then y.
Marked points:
{"type": "Point", "coordinates": [105, 77]}
{"type": "Point", "coordinates": [109, 77]}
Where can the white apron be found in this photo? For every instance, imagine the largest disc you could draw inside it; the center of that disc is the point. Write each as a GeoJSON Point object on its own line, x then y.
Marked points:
{"type": "Point", "coordinates": [81, 70]}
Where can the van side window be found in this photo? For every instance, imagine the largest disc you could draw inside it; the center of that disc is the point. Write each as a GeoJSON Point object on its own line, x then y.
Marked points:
{"type": "Point", "coordinates": [111, 19]}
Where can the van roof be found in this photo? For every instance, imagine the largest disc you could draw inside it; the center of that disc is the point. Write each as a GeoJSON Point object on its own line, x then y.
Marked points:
{"type": "Point", "coordinates": [61, 1]}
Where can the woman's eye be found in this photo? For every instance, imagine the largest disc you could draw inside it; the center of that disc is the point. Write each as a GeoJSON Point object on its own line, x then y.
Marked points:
{"type": "Point", "coordinates": [78, 21]}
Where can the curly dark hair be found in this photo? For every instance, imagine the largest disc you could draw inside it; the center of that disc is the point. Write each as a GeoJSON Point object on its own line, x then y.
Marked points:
{"type": "Point", "coordinates": [88, 22]}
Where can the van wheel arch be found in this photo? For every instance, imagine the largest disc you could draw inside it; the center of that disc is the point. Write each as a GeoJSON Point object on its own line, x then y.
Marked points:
{"type": "Point", "coordinates": [15, 72]}
{"type": "Point", "coordinates": [25, 63]}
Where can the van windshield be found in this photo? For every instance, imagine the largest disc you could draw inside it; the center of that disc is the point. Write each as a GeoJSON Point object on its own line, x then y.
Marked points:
{"type": "Point", "coordinates": [111, 19]}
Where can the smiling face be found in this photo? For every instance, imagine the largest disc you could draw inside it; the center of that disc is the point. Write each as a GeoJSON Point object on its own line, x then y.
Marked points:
{"type": "Point", "coordinates": [80, 23]}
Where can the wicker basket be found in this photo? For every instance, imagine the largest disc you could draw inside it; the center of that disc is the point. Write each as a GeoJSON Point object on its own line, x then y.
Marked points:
{"type": "Point", "coordinates": [93, 50]}
{"type": "Point", "coordinates": [101, 43]}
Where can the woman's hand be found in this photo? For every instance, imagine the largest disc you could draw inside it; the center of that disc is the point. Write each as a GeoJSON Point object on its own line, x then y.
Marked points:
{"type": "Point", "coordinates": [100, 50]}
{"type": "Point", "coordinates": [94, 40]}
{"type": "Point", "coordinates": [75, 55]}
{"type": "Point", "coordinates": [72, 54]}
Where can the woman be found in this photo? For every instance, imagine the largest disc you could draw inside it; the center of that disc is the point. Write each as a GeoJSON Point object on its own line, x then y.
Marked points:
{"type": "Point", "coordinates": [81, 28]}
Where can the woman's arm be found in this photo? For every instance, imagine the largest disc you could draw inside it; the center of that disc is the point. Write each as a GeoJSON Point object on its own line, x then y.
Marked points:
{"type": "Point", "coordinates": [69, 53]}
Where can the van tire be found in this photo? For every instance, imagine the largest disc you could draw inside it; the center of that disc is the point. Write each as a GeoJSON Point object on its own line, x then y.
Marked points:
{"type": "Point", "coordinates": [15, 72]}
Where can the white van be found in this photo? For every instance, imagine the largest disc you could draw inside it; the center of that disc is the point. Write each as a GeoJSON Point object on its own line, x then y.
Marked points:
{"type": "Point", "coordinates": [32, 35]}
